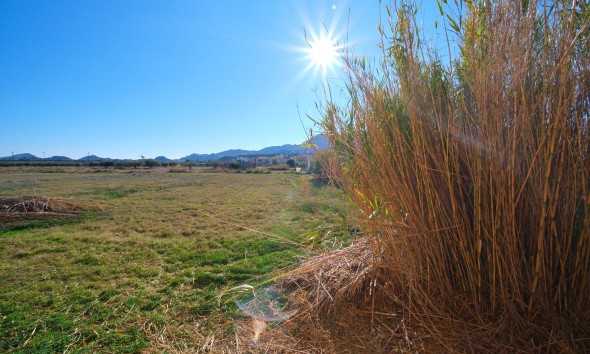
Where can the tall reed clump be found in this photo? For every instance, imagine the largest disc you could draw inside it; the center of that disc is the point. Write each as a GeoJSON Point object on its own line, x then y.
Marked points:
{"type": "Point", "coordinates": [476, 171]}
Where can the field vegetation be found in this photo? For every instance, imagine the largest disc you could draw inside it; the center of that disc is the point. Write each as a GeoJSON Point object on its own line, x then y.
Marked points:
{"type": "Point", "coordinates": [140, 263]}
{"type": "Point", "coordinates": [472, 166]}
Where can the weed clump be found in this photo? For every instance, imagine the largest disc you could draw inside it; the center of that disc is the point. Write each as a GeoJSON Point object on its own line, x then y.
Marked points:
{"type": "Point", "coordinates": [474, 178]}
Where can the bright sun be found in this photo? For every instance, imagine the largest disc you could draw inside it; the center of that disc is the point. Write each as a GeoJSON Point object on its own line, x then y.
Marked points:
{"type": "Point", "coordinates": [323, 51]}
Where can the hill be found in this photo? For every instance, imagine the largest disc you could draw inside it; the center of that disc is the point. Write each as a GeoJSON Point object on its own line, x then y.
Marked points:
{"type": "Point", "coordinates": [21, 157]}
{"type": "Point", "coordinates": [58, 158]}
{"type": "Point", "coordinates": [91, 158]}
{"type": "Point", "coordinates": [320, 140]}
{"type": "Point", "coordinates": [162, 159]}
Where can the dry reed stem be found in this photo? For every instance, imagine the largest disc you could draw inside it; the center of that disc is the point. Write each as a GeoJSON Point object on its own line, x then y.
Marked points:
{"type": "Point", "coordinates": [492, 151]}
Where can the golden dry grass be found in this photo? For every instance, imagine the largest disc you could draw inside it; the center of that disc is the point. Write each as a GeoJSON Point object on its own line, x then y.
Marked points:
{"type": "Point", "coordinates": [473, 176]}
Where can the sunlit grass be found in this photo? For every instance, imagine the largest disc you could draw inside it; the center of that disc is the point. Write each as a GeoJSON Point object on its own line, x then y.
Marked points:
{"type": "Point", "coordinates": [143, 273]}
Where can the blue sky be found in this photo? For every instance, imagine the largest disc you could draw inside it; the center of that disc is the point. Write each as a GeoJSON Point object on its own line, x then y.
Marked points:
{"type": "Point", "coordinates": [121, 79]}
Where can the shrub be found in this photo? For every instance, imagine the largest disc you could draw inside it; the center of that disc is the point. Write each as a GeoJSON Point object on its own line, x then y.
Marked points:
{"type": "Point", "coordinates": [151, 163]}
{"type": "Point", "coordinates": [476, 173]}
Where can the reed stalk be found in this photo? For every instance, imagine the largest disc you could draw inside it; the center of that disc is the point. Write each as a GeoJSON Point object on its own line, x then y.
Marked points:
{"type": "Point", "coordinates": [474, 170]}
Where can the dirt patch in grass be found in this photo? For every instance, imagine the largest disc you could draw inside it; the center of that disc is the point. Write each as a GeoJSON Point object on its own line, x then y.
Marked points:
{"type": "Point", "coordinates": [15, 209]}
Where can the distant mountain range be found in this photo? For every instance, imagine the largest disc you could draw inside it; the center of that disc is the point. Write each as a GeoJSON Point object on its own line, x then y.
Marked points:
{"type": "Point", "coordinates": [320, 142]}
{"type": "Point", "coordinates": [271, 150]}
{"type": "Point", "coordinates": [31, 157]}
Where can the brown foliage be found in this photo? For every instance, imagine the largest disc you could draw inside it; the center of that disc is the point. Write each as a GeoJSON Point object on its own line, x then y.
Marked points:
{"type": "Point", "coordinates": [39, 207]}
{"type": "Point", "coordinates": [475, 181]}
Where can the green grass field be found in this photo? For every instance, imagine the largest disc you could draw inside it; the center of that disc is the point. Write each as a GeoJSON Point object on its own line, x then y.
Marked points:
{"type": "Point", "coordinates": [143, 273]}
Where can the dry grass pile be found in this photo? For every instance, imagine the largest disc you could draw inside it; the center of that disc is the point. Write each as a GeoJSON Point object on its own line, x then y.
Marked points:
{"type": "Point", "coordinates": [40, 207]}
{"type": "Point", "coordinates": [474, 176]}
{"type": "Point", "coordinates": [332, 292]}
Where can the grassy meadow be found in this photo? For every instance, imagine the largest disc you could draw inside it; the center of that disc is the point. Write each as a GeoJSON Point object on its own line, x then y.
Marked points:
{"type": "Point", "coordinates": [143, 272]}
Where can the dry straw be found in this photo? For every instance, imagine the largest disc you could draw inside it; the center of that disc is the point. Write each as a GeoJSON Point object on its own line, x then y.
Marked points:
{"type": "Point", "coordinates": [474, 174]}
{"type": "Point", "coordinates": [16, 209]}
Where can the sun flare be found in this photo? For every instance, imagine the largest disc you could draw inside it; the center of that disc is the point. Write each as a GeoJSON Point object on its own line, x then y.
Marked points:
{"type": "Point", "coordinates": [324, 48]}
{"type": "Point", "coordinates": [323, 51]}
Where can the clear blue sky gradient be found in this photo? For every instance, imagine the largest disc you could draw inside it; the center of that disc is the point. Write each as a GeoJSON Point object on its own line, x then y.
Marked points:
{"type": "Point", "coordinates": [121, 79]}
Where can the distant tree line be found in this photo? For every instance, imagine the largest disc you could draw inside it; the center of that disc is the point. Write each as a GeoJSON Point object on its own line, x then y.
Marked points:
{"type": "Point", "coordinates": [103, 163]}
{"type": "Point", "coordinates": [139, 163]}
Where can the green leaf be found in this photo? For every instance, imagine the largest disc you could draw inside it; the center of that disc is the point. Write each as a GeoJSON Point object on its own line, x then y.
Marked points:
{"type": "Point", "coordinates": [453, 24]}
{"type": "Point", "coordinates": [440, 9]}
